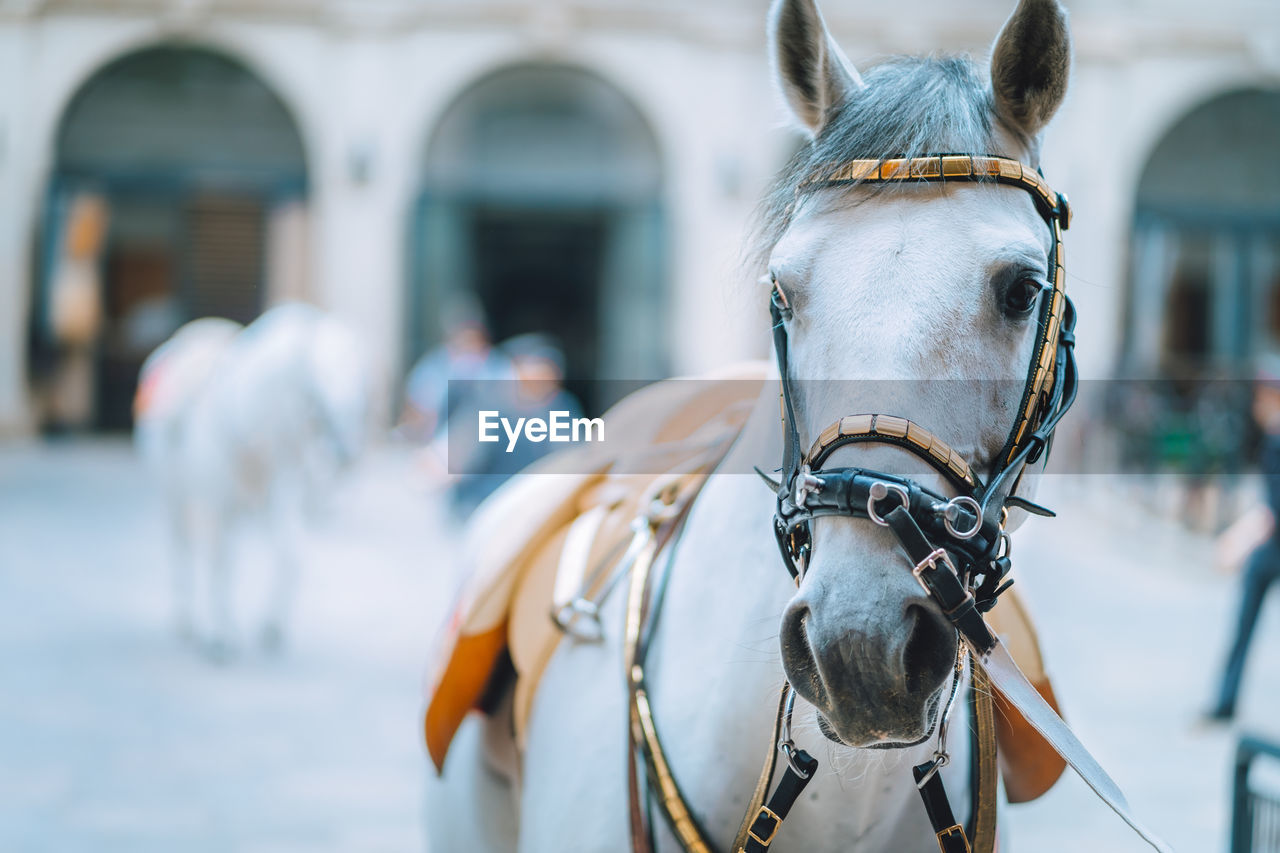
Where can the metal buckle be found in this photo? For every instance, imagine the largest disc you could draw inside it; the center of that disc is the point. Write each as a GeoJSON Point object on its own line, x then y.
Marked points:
{"type": "Point", "coordinates": [931, 562]}
{"type": "Point", "coordinates": [765, 811]}
{"type": "Point", "coordinates": [570, 617]}
{"type": "Point", "coordinates": [952, 830]}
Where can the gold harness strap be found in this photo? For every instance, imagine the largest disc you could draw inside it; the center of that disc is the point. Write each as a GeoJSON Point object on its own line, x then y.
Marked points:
{"type": "Point", "coordinates": [982, 817]}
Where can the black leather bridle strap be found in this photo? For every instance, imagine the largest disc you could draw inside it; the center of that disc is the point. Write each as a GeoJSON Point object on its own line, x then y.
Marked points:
{"type": "Point", "coordinates": [768, 820]}
{"type": "Point", "coordinates": [950, 834]}
{"type": "Point", "coordinates": [792, 453]}
{"type": "Point", "coordinates": [937, 574]}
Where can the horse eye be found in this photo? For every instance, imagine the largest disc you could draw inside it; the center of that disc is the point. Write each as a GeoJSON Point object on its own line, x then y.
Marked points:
{"type": "Point", "coordinates": [1021, 296]}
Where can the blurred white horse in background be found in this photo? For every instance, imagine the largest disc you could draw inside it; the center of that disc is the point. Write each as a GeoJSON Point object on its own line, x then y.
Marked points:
{"type": "Point", "coordinates": [248, 422]}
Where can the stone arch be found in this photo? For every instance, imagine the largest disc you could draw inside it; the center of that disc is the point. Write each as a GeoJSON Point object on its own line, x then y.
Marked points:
{"type": "Point", "coordinates": [541, 200]}
{"type": "Point", "coordinates": [197, 172]}
{"type": "Point", "coordinates": [1204, 282]}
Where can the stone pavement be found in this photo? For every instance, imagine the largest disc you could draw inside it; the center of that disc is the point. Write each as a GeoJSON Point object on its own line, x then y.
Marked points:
{"type": "Point", "coordinates": [115, 737]}
{"type": "Point", "coordinates": [1134, 625]}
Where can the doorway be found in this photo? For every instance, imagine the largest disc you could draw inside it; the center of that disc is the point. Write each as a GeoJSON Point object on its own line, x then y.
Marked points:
{"type": "Point", "coordinates": [187, 153]}
{"type": "Point", "coordinates": [542, 202]}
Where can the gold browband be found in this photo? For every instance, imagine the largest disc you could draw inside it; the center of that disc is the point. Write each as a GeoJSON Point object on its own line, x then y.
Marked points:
{"type": "Point", "coordinates": [944, 167]}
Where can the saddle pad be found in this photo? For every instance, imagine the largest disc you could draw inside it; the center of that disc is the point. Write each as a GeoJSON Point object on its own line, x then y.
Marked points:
{"type": "Point", "coordinates": [513, 541]}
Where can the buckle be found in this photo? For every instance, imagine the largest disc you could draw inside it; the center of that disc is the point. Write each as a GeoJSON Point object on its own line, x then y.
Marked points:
{"type": "Point", "coordinates": [954, 829]}
{"type": "Point", "coordinates": [767, 813]}
{"type": "Point", "coordinates": [579, 618]}
{"type": "Point", "coordinates": [931, 562]}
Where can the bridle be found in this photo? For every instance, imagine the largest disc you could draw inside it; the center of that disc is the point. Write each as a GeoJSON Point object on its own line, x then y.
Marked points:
{"type": "Point", "coordinates": [969, 526]}
{"type": "Point", "coordinates": [958, 549]}
{"type": "Point", "coordinates": [957, 546]}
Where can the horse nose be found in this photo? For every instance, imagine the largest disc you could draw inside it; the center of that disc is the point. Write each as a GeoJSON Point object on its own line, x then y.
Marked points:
{"type": "Point", "coordinates": [849, 666]}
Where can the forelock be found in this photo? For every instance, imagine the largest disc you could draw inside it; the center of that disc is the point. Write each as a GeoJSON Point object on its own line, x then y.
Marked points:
{"type": "Point", "coordinates": [911, 106]}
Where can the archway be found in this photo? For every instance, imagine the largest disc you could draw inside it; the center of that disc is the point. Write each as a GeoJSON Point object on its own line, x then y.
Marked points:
{"type": "Point", "coordinates": [1205, 279]}
{"type": "Point", "coordinates": [1204, 285]}
{"type": "Point", "coordinates": [541, 201]}
{"type": "Point", "coordinates": [193, 173]}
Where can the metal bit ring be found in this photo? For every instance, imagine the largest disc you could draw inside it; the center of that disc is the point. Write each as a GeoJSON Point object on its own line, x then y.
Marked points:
{"type": "Point", "coordinates": [881, 490]}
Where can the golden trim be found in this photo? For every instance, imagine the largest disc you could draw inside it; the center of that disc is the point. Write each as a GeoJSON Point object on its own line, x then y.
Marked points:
{"type": "Point", "coordinates": [831, 433]}
{"type": "Point", "coordinates": [919, 436]}
{"type": "Point", "coordinates": [891, 425]}
{"type": "Point", "coordinates": [765, 811]}
{"type": "Point", "coordinates": [925, 167]}
{"type": "Point", "coordinates": [855, 424]}
{"type": "Point", "coordinates": [851, 428]}
{"type": "Point", "coordinates": [984, 822]}
{"type": "Point", "coordinates": [681, 820]}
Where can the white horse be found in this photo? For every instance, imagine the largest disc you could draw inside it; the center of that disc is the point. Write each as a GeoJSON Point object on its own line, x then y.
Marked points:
{"type": "Point", "coordinates": [240, 423]}
{"type": "Point", "coordinates": [917, 282]}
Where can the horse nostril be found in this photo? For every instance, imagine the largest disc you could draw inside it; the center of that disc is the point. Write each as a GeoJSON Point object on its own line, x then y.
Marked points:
{"type": "Point", "coordinates": [797, 655]}
{"type": "Point", "coordinates": [795, 641]}
{"type": "Point", "coordinates": [930, 650]}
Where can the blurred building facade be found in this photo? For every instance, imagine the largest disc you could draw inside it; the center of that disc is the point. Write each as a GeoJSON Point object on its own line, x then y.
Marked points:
{"type": "Point", "coordinates": [586, 167]}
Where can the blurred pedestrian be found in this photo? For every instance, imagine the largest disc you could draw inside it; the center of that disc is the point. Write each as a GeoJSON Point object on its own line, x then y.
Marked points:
{"type": "Point", "coordinates": [75, 313]}
{"type": "Point", "coordinates": [446, 377]}
{"type": "Point", "coordinates": [1258, 528]}
{"type": "Point", "coordinates": [537, 391]}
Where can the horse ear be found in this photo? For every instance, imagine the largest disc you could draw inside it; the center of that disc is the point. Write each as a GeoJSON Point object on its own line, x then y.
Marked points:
{"type": "Point", "coordinates": [813, 72]}
{"type": "Point", "coordinates": [1030, 65]}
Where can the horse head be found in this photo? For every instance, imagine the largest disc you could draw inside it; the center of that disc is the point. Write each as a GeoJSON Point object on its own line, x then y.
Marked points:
{"type": "Point", "coordinates": [889, 285]}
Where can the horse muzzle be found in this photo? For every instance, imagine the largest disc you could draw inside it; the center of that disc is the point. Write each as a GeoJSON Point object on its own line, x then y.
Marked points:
{"type": "Point", "coordinates": [874, 681]}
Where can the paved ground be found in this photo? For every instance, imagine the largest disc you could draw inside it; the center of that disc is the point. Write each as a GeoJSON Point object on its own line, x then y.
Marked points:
{"type": "Point", "coordinates": [114, 737]}
{"type": "Point", "coordinates": [1134, 624]}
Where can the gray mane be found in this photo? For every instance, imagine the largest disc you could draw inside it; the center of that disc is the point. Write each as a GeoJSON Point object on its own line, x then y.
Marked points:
{"type": "Point", "coordinates": [910, 106]}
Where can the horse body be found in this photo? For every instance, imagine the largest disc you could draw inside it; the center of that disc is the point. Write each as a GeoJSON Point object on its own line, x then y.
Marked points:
{"type": "Point", "coordinates": [253, 428]}
{"type": "Point", "coordinates": [884, 290]}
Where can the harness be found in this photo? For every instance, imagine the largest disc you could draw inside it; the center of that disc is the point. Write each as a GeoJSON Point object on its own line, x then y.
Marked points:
{"type": "Point", "coordinates": [957, 546]}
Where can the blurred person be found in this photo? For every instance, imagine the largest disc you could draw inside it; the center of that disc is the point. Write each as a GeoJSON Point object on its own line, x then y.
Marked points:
{"type": "Point", "coordinates": [537, 390]}
{"type": "Point", "coordinates": [75, 313]}
{"type": "Point", "coordinates": [1255, 530]}
{"type": "Point", "coordinates": [240, 423]}
{"type": "Point", "coordinates": [446, 377]}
